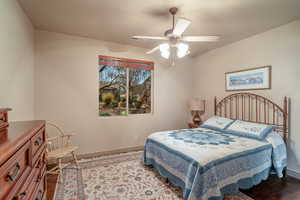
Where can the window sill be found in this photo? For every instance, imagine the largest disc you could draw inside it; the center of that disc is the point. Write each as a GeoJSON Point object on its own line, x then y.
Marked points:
{"type": "Point", "coordinates": [127, 116]}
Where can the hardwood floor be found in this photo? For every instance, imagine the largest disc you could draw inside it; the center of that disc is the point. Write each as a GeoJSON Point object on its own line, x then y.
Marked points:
{"type": "Point", "coordinates": [276, 189]}
{"type": "Point", "coordinates": [272, 189]}
{"type": "Point", "coordinates": [51, 184]}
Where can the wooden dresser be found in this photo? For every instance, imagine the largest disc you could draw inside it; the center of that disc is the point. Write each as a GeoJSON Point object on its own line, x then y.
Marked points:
{"type": "Point", "coordinates": [22, 161]}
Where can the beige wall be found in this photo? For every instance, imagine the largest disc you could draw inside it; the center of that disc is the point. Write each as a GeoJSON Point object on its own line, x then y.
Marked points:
{"type": "Point", "coordinates": [17, 61]}
{"type": "Point", "coordinates": [66, 92]}
{"type": "Point", "coordinates": [280, 48]}
{"type": "Point", "coordinates": [63, 85]}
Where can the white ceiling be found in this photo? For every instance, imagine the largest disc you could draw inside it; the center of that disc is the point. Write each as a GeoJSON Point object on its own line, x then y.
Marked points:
{"type": "Point", "coordinates": [117, 20]}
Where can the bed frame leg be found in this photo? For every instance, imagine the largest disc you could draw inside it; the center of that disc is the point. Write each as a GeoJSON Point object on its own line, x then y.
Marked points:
{"type": "Point", "coordinates": [284, 173]}
{"type": "Point", "coordinates": [167, 180]}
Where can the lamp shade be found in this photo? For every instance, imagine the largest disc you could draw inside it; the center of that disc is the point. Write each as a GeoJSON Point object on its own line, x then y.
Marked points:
{"type": "Point", "coordinates": [197, 105]}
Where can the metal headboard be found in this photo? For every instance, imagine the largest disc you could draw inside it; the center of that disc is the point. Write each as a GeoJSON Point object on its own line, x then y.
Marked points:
{"type": "Point", "coordinates": [254, 108]}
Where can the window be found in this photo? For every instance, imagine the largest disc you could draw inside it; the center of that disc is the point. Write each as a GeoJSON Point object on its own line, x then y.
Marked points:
{"type": "Point", "coordinates": [125, 86]}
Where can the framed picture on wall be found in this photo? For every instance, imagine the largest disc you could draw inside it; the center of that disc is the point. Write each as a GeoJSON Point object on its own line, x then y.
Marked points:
{"type": "Point", "coordinates": [258, 78]}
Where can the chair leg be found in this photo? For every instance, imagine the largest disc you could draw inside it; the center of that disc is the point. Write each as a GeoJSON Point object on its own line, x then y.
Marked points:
{"type": "Point", "coordinates": [60, 171]}
{"type": "Point", "coordinates": [75, 159]}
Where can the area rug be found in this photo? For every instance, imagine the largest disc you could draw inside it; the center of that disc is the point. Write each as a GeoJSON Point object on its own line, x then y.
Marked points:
{"type": "Point", "coordinates": [118, 177]}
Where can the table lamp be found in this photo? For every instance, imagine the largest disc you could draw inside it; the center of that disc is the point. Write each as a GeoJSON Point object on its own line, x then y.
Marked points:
{"type": "Point", "coordinates": [197, 108]}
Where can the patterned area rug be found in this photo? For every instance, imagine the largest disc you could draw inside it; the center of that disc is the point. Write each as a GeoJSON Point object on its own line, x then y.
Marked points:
{"type": "Point", "coordinates": [118, 177]}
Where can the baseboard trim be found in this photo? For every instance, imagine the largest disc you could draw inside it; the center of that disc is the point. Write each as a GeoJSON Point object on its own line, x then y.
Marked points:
{"type": "Point", "coordinates": [111, 152]}
{"type": "Point", "coordinates": [97, 154]}
{"type": "Point", "coordinates": [293, 174]}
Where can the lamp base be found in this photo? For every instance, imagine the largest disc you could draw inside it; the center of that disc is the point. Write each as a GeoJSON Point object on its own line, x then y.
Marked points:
{"type": "Point", "coordinates": [197, 122]}
{"type": "Point", "coordinates": [197, 118]}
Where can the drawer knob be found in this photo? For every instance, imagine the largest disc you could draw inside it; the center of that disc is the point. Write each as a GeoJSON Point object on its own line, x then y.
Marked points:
{"type": "Point", "coordinates": [20, 196]}
{"type": "Point", "coordinates": [40, 195]}
{"type": "Point", "coordinates": [13, 175]}
{"type": "Point", "coordinates": [39, 178]}
{"type": "Point", "coordinates": [38, 141]}
{"type": "Point", "coordinates": [39, 164]}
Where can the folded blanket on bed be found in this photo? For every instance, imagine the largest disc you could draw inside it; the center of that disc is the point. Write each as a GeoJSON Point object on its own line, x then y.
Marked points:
{"type": "Point", "coordinates": [207, 164]}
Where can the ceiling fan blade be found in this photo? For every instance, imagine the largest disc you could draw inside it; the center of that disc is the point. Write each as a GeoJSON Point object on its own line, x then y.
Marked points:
{"type": "Point", "coordinates": [181, 26]}
{"type": "Point", "coordinates": [153, 50]}
{"type": "Point", "coordinates": [148, 38]}
{"type": "Point", "coordinates": [200, 38]}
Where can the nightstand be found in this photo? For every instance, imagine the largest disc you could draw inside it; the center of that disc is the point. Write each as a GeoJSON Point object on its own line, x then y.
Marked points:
{"type": "Point", "coordinates": [192, 125]}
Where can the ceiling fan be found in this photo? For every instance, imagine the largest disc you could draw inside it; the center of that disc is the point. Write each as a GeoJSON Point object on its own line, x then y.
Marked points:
{"type": "Point", "coordinates": [175, 44]}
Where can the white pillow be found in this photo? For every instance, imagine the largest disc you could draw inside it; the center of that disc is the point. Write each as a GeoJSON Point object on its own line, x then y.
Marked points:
{"type": "Point", "coordinates": [249, 129]}
{"type": "Point", "coordinates": [217, 123]}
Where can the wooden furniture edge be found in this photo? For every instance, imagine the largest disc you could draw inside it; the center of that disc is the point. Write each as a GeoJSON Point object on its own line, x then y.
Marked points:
{"type": "Point", "coordinates": [21, 141]}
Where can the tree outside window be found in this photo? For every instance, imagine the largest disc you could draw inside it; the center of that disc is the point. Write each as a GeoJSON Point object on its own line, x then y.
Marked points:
{"type": "Point", "coordinates": [125, 86]}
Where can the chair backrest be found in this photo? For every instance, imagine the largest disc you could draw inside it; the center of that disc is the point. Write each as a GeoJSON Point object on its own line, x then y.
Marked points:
{"type": "Point", "coordinates": [59, 140]}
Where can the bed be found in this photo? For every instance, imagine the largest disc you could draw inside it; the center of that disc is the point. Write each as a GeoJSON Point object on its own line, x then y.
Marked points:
{"type": "Point", "coordinates": [208, 163]}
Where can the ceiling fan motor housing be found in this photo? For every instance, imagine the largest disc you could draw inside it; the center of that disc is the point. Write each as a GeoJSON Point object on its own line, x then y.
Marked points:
{"type": "Point", "coordinates": [173, 10]}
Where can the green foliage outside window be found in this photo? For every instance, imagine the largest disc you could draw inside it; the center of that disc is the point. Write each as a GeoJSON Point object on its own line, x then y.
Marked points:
{"type": "Point", "coordinates": [118, 83]}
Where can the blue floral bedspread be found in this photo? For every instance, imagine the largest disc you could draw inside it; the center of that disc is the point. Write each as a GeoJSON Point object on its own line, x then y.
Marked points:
{"type": "Point", "coordinates": [208, 164]}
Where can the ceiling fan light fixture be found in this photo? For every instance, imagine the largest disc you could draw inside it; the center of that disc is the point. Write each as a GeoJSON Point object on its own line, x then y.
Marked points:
{"type": "Point", "coordinates": [164, 47]}
{"type": "Point", "coordinates": [164, 50]}
{"type": "Point", "coordinates": [165, 54]}
{"type": "Point", "coordinates": [182, 50]}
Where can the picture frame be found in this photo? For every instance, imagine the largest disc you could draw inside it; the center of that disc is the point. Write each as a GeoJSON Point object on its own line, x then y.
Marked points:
{"type": "Point", "coordinates": [258, 78]}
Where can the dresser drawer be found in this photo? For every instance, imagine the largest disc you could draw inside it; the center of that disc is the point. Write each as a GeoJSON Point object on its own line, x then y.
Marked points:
{"type": "Point", "coordinates": [40, 191]}
{"type": "Point", "coordinates": [27, 188]}
{"type": "Point", "coordinates": [40, 181]}
{"type": "Point", "coordinates": [30, 185]}
{"type": "Point", "coordinates": [38, 140]}
{"type": "Point", "coordinates": [40, 153]}
{"type": "Point", "coordinates": [13, 169]}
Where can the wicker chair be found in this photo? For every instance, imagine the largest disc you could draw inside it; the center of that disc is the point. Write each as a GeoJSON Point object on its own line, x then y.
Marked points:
{"type": "Point", "coordinates": [59, 147]}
